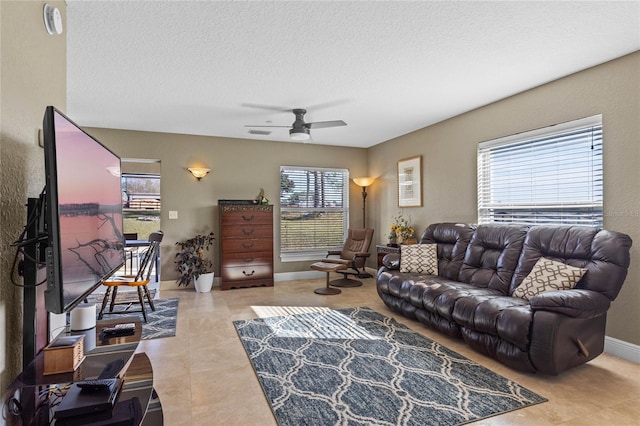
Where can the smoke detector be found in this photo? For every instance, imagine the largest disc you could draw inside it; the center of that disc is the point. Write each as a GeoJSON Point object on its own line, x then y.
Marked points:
{"type": "Point", "coordinates": [52, 20]}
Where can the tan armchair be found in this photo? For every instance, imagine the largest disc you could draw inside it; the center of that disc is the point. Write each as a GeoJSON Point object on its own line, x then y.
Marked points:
{"type": "Point", "coordinates": [354, 254]}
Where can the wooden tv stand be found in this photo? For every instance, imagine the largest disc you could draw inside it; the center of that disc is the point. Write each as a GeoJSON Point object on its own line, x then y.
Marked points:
{"type": "Point", "coordinates": [137, 374]}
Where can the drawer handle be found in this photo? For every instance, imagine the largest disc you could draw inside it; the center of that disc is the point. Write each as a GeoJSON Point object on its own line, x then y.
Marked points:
{"type": "Point", "coordinates": [248, 259]}
{"type": "Point", "coordinates": [248, 218]}
{"type": "Point", "coordinates": [247, 232]}
{"type": "Point", "coordinates": [248, 275]}
{"type": "Point", "coordinates": [247, 245]}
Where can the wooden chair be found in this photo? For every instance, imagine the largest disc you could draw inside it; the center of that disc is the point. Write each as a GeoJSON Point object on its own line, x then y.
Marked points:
{"type": "Point", "coordinates": [129, 252]}
{"type": "Point", "coordinates": [140, 281]}
{"type": "Point", "coordinates": [354, 254]}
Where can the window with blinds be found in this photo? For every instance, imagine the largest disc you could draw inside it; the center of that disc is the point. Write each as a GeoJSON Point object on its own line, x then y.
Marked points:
{"type": "Point", "coordinates": [546, 176]}
{"type": "Point", "coordinates": [314, 211]}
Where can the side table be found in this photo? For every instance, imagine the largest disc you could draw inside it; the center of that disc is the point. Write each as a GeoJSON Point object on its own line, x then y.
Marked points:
{"type": "Point", "coordinates": [382, 251]}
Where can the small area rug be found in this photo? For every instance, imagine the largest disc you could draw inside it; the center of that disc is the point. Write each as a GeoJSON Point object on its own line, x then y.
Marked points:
{"type": "Point", "coordinates": [161, 322]}
{"type": "Point", "coordinates": [355, 366]}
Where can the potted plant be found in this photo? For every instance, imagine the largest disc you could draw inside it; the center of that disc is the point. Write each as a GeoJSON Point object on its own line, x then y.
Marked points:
{"type": "Point", "coordinates": [193, 265]}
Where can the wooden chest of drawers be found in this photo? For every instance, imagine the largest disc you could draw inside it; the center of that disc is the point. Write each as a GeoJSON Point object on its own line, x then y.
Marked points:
{"type": "Point", "coordinates": [246, 247]}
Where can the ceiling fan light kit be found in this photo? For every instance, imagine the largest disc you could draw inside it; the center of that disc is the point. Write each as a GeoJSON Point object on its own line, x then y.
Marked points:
{"type": "Point", "coordinates": [299, 134]}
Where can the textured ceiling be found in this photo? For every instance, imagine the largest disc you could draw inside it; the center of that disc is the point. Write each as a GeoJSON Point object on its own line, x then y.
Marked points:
{"type": "Point", "coordinates": [385, 68]}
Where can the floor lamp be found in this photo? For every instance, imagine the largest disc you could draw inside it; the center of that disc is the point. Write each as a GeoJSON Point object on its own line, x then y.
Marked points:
{"type": "Point", "coordinates": [364, 182]}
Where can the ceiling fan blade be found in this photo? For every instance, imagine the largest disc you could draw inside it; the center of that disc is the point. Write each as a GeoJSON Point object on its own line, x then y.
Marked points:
{"type": "Point", "coordinates": [260, 125]}
{"type": "Point", "coordinates": [323, 124]}
{"type": "Point", "coordinates": [267, 107]}
{"type": "Point", "coordinates": [328, 104]}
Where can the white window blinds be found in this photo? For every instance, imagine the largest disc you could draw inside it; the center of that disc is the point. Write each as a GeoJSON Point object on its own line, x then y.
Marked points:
{"type": "Point", "coordinates": [314, 211]}
{"type": "Point", "coordinates": [546, 176]}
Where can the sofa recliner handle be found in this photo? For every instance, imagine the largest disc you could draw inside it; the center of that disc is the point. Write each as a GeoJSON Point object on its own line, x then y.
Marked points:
{"type": "Point", "coordinates": [583, 349]}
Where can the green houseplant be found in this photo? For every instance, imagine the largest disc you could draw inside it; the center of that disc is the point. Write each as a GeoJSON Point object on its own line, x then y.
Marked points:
{"type": "Point", "coordinates": [191, 261]}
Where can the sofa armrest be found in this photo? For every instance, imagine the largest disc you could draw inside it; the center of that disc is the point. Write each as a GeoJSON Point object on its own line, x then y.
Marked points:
{"type": "Point", "coordinates": [575, 303]}
{"type": "Point", "coordinates": [363, 254]}
{"type": "Point", "coordinates": [392, 261]}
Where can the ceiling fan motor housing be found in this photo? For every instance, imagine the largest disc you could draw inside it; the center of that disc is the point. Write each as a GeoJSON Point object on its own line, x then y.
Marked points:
{"type": "Point", "coordinates": [299, 113]}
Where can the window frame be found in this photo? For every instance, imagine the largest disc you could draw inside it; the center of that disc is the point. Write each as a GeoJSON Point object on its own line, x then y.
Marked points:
{"type": "Point", "coordinates": [570, 210]}
{"type": "Point", "coordinates": [317, 252]}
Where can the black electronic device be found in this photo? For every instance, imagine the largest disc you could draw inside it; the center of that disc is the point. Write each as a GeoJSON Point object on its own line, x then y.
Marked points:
{"type": "Point", "coordinates": [112, 369]}
{"type": "Point", "coordinates": [81, 402]}
{"type": "Point", "coordinates": [82, 211]}
{"type": "Point", "coordinates": [125, 413]}
{"type": "Point", "coordinates": [96, 385]}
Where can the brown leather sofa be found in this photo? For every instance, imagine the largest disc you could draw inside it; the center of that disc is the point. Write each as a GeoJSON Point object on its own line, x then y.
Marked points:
{"type": "Point", "coordinates": [480, 266]}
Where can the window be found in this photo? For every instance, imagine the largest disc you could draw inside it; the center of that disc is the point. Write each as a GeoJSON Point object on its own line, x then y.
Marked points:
{"type": "Point", "coordinates": [546, 176]}
{"type": "Point", "coordinates": [314, 211]}
{"type": "Point", "coordinates": [141, 202]}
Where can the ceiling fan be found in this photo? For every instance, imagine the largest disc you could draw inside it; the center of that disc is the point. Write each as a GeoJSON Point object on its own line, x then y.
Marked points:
{"type": "Point", "coordinates": [301, 131]}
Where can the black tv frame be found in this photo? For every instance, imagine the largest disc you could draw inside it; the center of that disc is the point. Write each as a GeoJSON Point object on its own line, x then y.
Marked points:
{"type": "Point", "coordinates": [54, 293]}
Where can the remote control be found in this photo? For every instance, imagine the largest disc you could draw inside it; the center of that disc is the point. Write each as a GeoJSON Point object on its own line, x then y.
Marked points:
{"type": "Point", "coordinates": [126, 326]}
{"type": "Point", "coordinates": [96, 385]}
{"type": "Point", "coordinates": [118, 331]}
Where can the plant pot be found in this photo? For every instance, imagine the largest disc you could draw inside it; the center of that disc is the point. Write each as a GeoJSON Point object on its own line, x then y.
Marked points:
{"type": "Point", "coordinates": [204, 282]}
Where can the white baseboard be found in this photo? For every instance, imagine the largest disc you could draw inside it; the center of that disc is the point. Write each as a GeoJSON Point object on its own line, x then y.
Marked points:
{"type": "Point", "coordinates": [299, 275]}
{"type": "Point", "coordinates": [622, 349]}
{"type": "Point", "coordinates": [306, 275]}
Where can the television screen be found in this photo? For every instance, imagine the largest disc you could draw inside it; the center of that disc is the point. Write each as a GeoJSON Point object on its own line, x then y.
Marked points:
{"type": "Point", "coordinates": [83, 212]}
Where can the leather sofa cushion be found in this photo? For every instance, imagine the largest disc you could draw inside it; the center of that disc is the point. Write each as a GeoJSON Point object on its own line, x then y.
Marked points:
{"type": "Point", "coordinates": [506, 317]}
{"type": "Point", "coordinates": [502, 350]}
{"type": "Point", "coordinates": [394, 281]}
{"type": "Point", "coordinates": [440, 295]}
{"type": "Point", "coordinates": [604, 254]}
{"type": "Point", "coordinates": [492, 256]}
{"type": "Point", "coordinates": [574, 303]}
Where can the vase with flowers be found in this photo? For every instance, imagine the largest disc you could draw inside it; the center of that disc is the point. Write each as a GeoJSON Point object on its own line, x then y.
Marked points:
{"type": "Point", "coordinates": [400, 230]}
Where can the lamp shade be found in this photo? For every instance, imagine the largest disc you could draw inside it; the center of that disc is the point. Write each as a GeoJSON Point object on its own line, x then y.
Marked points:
{"type": "Point", "coordinates": [364, 181]}
{"type": "Point", "coordinates": [198, 172]}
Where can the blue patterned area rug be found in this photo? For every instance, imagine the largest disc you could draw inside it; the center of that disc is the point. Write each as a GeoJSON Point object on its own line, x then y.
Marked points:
{"type": "Point", "coordinates": [355, 366]}
{"type": "Point", "coordinates": [161, 322]}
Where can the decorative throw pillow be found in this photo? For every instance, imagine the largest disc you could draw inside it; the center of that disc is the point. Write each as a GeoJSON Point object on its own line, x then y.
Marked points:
{"type": "Point", "coordinates": [419, 258]}
{"type": "Point", "coordinates": [548, 275]}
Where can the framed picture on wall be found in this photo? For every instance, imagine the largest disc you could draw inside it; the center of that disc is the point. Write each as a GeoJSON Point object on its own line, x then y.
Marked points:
{"type": "Point", "coordinates": [410, 182]}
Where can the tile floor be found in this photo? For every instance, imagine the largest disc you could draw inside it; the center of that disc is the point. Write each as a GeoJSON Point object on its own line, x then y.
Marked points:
{"type": "Point", "coordinates": [203, 376]}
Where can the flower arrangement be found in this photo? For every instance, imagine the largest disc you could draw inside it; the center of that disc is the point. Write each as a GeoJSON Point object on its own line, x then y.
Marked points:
{"type": "Point", "coordinates": [400, 229]}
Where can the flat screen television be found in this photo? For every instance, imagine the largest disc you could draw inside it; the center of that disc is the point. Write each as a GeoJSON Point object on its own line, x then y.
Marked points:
{"type": "Point", "coordinates": [82, 212]}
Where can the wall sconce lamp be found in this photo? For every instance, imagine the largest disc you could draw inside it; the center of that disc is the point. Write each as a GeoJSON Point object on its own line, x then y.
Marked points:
{"type": "Point", "coordinates": [364, 182]}
{"type": "Point", "coordinates": [199, 172]}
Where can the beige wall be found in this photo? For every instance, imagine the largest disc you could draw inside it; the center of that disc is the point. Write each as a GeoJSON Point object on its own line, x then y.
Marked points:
{"type": "Point", "coordinates": [448, 151]}
{"type": "Point", "coordinates": [239, 168]}
{"type": "Point", "coordinates": [32, 76]}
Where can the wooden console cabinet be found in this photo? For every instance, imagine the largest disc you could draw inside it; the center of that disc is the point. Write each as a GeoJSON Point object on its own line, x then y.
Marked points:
{"type": "Point", "coordinates": [246, 245]}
